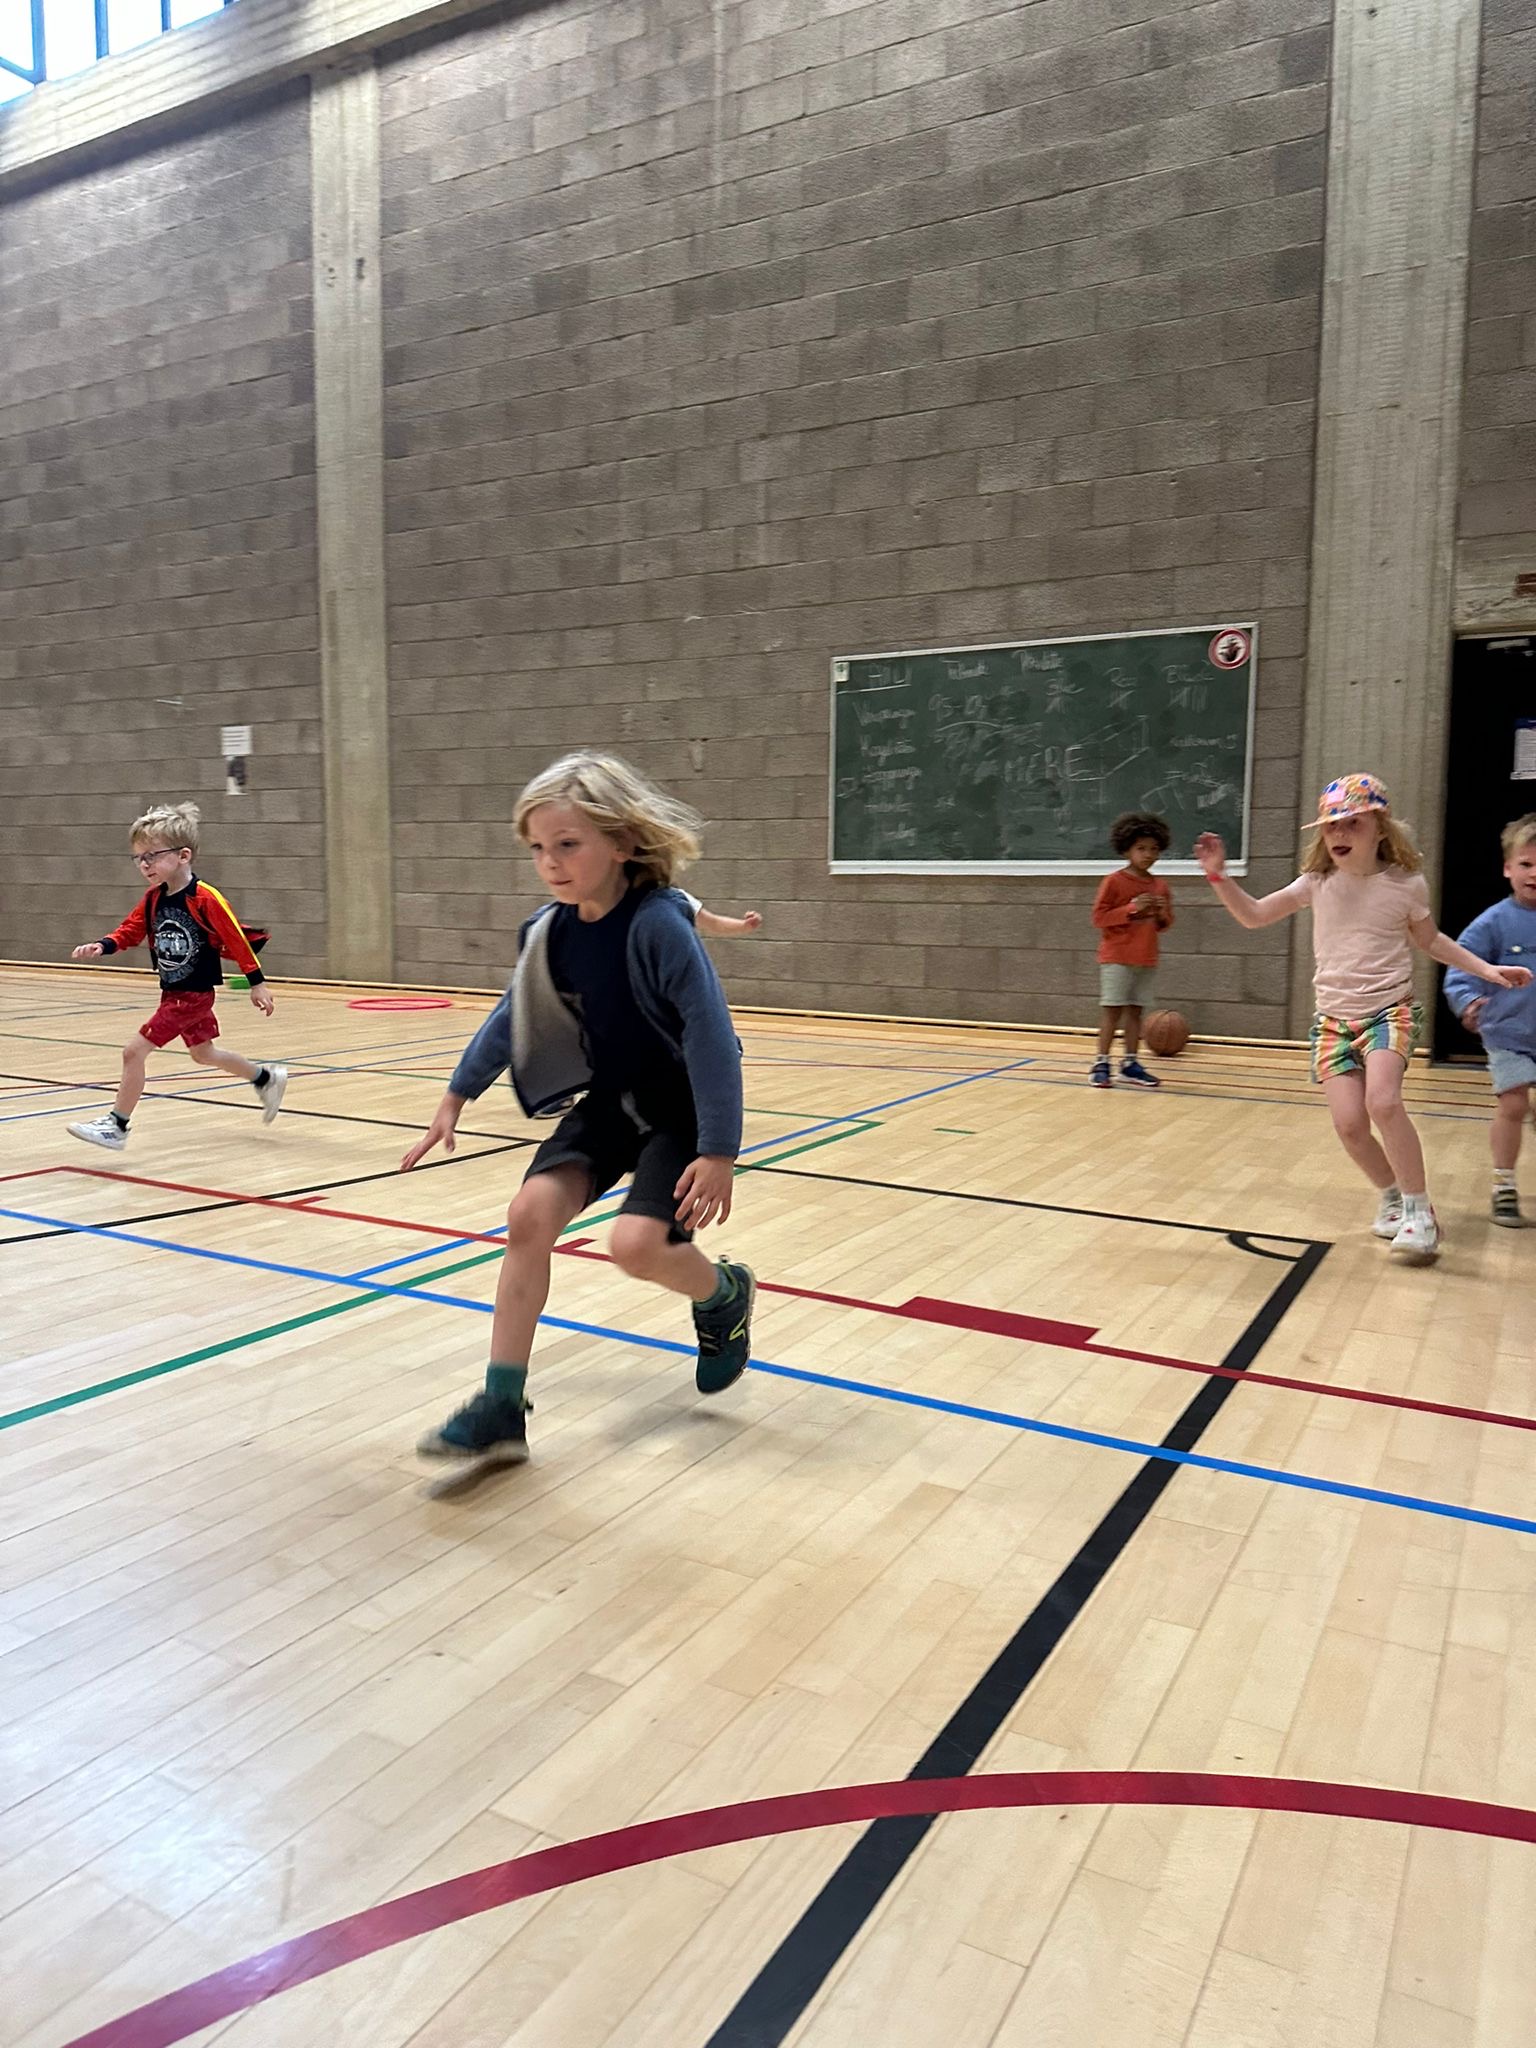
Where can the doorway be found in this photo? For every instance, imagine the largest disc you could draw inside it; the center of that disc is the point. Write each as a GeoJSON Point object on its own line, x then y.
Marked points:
{"type": "Point", "coordinates": [1493, 688]}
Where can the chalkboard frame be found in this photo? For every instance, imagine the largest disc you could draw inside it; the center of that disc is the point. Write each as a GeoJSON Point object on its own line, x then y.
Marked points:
{"type": "Point", "coordinates": [1237, 862]}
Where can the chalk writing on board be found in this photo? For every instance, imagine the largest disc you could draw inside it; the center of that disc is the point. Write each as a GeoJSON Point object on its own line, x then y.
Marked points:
{"type": "Point", "coordinates": [1025, 754]}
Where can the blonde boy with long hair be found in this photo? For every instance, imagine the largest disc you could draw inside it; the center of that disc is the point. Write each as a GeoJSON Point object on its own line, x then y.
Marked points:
{"type": "Point", "coordinates": [616, 1021]}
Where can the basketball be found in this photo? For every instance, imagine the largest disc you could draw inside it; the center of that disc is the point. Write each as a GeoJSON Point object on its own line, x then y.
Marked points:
{"type": "Point", "coordinates": [1166, 1032]}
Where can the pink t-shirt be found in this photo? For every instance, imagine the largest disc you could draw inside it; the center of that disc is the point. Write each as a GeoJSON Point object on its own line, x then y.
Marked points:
{"type": "Point", "coordinates": [1360, 937]}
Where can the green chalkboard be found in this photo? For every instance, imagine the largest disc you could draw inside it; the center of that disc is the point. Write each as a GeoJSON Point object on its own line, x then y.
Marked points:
{"type": "Point", "coordinates": [1016, 758]}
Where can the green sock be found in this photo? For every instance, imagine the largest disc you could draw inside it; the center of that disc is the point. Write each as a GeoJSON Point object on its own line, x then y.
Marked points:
{"type": "Point", "coordinates": [507, 1384]}
{"type": "Point", "coordinates": [725, 1287]}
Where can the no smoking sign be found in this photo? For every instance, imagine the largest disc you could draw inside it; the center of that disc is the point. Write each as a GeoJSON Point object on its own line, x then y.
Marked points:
{"type": "Point", "coordinates": [1231, 647]}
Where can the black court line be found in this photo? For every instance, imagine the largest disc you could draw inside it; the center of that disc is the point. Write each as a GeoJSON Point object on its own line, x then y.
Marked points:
{"type": "Point", "coordinates": [1241, 1240]}
{"type": "Point", "coordinates": [328, 1116]}
{"type": "Point", "coordinates": [319, 1187]}
{"type": "Point", "coordinates": [778, 1996]}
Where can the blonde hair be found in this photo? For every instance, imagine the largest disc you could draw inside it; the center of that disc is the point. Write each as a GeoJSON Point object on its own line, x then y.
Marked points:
{"type": "Point", "coordinates": [1517, 833]}
{"type": "Point", "coordinates": [1394, 849]}
{"type": "Point", "coordinates": [172, 826]}
{"type": "Point", "coordinates": [663, 832]}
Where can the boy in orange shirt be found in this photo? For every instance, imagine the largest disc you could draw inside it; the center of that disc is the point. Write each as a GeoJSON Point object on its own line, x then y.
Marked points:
{"type": "Point", "coordinates": [1131, 908]}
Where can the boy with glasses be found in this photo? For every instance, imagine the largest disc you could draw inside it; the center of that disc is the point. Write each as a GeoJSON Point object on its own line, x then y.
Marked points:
{"type": "Point", "coordinates": [189, 926]}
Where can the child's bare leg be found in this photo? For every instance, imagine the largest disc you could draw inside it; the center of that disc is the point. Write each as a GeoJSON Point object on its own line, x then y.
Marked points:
{"type": "Point", "coordinates": [1130, 1020]}
{"type": "Point", "coordinates": [641, 1247]}
{"type": "Point", "coordinates": [1508, 1124]}
{"type": "Point", "coordinates": [1345, 1096]}
{"type": "Point", "coordinates": [1109, 1024]}
{"type": "Point", "coordinates": [212, 1055]}
{"type": "Point", "coordinates": [539, 1211]}
{"type": "Point", "coordinates": [135, 1061]}
{"type": "Point", "coordinates": [1384, 1073]}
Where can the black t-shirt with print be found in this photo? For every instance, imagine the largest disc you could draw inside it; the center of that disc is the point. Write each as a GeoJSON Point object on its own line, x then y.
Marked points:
{"type": "Point", "coordinates": [185, 958]}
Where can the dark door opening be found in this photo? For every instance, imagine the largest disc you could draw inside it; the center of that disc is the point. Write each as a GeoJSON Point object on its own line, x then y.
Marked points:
{"type": "Point", "coordinates": [1493, 687]}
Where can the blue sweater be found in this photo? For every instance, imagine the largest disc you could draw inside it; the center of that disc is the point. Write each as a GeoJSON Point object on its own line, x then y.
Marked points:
{"type": "Point", "coordinates": [532, 1031]}
{"type": "Point", "coordinates": [1504, 936]}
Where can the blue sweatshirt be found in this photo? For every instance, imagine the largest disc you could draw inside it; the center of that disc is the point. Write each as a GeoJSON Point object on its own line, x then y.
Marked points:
{"type": "Point", "coordinates": [1504, 936]}
{"type": "Point", "coordinates": [535, 1033]}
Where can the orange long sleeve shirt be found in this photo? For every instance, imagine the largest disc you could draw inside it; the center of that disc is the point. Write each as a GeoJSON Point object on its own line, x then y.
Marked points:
{"type": "Point", "coordinates": [1124, 940]}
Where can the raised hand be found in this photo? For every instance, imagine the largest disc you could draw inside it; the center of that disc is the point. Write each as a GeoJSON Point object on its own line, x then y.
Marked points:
{"type": "Point", "coordinates": [1211, 853]}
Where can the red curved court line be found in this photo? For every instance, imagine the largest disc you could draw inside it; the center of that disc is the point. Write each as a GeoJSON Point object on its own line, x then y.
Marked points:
{"type": "Point", "coordinates": [244, 1985]}
{"type": "Point", "coordinates": [400, 1003]}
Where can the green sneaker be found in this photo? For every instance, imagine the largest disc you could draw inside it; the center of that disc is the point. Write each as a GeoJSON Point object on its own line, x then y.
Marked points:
{"type": "Point", "coordinates": [725, 1332]}
{"type": "Point", "coordinates": [493, 1432]}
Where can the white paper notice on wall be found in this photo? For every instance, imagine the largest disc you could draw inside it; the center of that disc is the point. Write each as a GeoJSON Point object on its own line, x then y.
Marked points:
{"type": "Point", "coordinates": [235, 745]}
{"type": "Point", "coordinates": [1524, 769]}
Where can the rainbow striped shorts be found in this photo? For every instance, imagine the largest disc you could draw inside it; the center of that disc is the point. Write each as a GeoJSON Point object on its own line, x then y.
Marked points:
{"type": "Point", "coordinates": [1340, 1044]}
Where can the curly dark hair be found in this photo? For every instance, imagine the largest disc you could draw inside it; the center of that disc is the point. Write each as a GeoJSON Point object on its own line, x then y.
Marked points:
{"type": "Point", "coordinates": [1133, 825]}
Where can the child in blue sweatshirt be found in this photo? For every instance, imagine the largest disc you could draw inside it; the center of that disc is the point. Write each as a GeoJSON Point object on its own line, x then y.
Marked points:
{"type": "Point", "coordinates": [615, 1022]}
{"type": "Point", "coordinates": [1505, 1018]}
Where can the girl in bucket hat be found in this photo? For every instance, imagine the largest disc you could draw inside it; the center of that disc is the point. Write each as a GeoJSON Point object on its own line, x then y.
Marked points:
{"type": "Point", "coordinates": [1362, 880]}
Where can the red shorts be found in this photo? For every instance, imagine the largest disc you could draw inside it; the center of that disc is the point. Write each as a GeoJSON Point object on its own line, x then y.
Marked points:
{"type": "Point", "coordinates": [189, 1018]}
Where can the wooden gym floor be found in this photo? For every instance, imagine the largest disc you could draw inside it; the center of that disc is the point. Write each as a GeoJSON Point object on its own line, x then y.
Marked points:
{"type": "Point", "coordinates": [1023, 1484]}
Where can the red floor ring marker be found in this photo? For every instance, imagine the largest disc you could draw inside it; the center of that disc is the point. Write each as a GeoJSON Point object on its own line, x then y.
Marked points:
{"type": "Point", "coordinates": [399, 1003]}
{"type": "Point", "coordinates": [183, 2013]}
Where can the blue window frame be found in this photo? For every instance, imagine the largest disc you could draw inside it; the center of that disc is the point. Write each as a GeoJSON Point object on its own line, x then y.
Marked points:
{"type": "Point", "coordinates": [43, 39]}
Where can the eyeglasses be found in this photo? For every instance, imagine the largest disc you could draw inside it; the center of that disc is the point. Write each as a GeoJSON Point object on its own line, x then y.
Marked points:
{"type": "Point", "coordinates": [147, 860]}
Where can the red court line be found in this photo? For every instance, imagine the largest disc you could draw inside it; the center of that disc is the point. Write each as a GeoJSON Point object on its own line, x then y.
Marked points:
{"type": "Point", "coordinates": [308, 1205]}
{"type": "Point", "coordinates": [999, 1322]}
{"type": "Point", "coordinates": [924, 1308]}
{"type": "Point", "coordinates": [180, 2014]}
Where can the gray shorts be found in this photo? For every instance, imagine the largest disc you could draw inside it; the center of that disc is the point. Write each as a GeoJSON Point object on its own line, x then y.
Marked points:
{"type": "Point", "coordinates": [1125, 988]}
{"type": "Point", "coordinates": [1507, 1070]}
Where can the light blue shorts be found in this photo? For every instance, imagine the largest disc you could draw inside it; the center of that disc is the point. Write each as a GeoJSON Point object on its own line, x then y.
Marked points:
{"type": "Point", "coordinates": [1508, 1070]}
{"type": "Point", "coordinates": [1125, 988]}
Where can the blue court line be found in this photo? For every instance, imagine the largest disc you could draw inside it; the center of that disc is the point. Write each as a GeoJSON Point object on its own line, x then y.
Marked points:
{"type": "Point", "coordinates": [297, 1067]}
{"type": "Point", "coordinates": [197, 1251]}
{"type": "Point", "coordinates": [73, 1109]}
{"type": "Point", "coordinates": [35, 1016]}
{"type": "Point", "coordinates": [763, 1145]}
{"type": "Point", "coordinates": [760, 1059]}
{"type": "Point", "coordinates": [1002, 1417]}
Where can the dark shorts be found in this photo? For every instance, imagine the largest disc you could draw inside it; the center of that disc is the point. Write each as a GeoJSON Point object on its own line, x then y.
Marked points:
{"type": "Point", "coordinates": [612, 1142]}
{"type": "Point", "coordinates": [189, 1018]}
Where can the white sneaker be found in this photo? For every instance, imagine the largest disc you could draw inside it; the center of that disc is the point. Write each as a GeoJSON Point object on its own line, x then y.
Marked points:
{"type": "Point", "coordinates": [1418, 1242]}
{"type": "Point", "coordinates": [1389, 1215]}
{"type": "Point", "coordinates": [271, 1092]}
{"type": "Point", "coordinates": [101, 1130]}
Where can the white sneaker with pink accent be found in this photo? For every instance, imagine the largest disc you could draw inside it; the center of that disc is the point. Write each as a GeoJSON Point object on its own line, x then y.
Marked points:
{"type": "Point", "coordinates": [1418, 1242]}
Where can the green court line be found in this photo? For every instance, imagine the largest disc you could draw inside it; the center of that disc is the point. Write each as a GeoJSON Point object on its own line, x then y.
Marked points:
{"type": "Point", "coordinates": [339, 1308]}
{"type": "Point", "coordinates": [953, 1131]}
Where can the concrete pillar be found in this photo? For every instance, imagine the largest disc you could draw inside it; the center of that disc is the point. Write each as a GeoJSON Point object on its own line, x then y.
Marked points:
{"type": "Point", "coordinates": [1400, 163]}
{"type": "Point", "coordinates": [349, 462]}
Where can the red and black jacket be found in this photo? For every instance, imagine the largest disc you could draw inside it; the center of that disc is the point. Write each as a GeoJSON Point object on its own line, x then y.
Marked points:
{"type": "Point", "coordinates": [222, 934]}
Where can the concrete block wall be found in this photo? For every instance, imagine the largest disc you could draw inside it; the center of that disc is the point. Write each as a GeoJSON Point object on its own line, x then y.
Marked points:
{"type": "Point", "coordinates": [157, 572]}
{"type": "Point", "coordinates": [1497, 528]}
{"type": "Point", "coordinates": [719, 340]}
